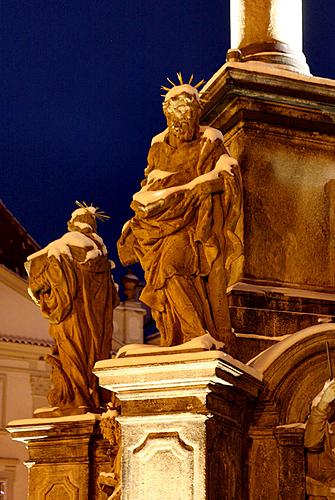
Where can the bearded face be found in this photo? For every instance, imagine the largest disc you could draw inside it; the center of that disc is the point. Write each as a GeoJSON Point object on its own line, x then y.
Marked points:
{"type": "Point", "coordinates": [182, 115]}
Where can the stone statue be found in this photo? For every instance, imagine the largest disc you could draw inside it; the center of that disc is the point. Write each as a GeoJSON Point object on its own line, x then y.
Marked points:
{"type": "Point", "coordinates": [183, 232]}
{"type": "Point", "coordinates": [110, 482]}
{"type": "Point", "coordinates": [320, 441]}
{"type": "Point", "coordinates": [71, 281]}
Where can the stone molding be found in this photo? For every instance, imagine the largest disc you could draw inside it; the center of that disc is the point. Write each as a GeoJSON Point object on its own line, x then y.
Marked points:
{"type": "Point", "coordinates": [66, 455]}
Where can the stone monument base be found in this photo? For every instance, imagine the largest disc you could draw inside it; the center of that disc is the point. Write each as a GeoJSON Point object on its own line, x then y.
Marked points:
{"type": "Point", "coordinates": [182, 422]}
{"type": "Point", "coordinates": [66, 456]}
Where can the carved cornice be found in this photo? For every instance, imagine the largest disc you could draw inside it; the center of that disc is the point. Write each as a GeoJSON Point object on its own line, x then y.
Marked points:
{"type": "Point", "coordinates": [262, 92]}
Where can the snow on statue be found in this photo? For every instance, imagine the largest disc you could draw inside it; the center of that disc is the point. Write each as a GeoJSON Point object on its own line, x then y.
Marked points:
{"type": "Point", "coordinates": [183, 232]}
{"type": "Point", "coordinates": [71, 281]}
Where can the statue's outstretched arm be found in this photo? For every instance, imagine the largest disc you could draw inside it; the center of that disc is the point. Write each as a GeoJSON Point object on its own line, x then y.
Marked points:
{"type": "Point", "coordinates": [317, 422]}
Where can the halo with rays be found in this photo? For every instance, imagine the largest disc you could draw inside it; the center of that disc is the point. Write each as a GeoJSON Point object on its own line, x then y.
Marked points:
{"type": "Point", "coordinates": [182, 82]}
{"type": "Point", "coordinates": [101, 215]}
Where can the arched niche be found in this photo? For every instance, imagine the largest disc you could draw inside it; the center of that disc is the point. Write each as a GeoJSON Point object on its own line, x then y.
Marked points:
{"type": "Point", "coordinates": [294, 371]}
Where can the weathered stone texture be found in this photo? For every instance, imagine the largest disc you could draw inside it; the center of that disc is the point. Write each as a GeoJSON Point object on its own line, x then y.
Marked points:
{"type": "Point", "coordinates": [281, 128]}
{"type": "Point", "coordinates": [65, 457]}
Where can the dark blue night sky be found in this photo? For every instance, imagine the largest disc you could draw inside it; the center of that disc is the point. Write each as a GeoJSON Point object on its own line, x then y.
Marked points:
{"type": "Point", "coordinates": [80, 95]}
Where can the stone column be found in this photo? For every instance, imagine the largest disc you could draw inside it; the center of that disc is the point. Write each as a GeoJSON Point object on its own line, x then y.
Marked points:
{"type": "Point", "coordinates": [128, 324]}
{"type": "Point", "coordinates": [66, 456]}
{"type": "Point", "coordinates": [290, 440]}
{"type": "Point", "coordinates": [182, 423]}
{"type": "Point", "coordinates": [268, 31]}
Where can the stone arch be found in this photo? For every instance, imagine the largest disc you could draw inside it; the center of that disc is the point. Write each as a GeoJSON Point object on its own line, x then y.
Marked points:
{"type": "Point", "coordinates": [294, 371]}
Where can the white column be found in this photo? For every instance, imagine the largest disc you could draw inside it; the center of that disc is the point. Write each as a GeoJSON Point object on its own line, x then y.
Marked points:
{"type": "Point", "coordinates": [268, 31]}
{"type": "Point", "coordinates": [128, 324]}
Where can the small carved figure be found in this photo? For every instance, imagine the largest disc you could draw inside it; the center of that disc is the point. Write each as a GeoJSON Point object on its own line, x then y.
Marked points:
{"type": "Point", "coordinates": [320, 441]}
{"type": "Point", "coordinates": [110, 482]}
{"type": "Point", "coordinates": [71, 281]}
{"type": "Point", "coordinates": [183, 232]}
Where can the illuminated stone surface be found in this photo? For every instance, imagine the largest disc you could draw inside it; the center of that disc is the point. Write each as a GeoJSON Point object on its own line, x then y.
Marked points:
{"type": "Point", "coordinates": [164, 457]}
{"type": "Point", "coordinates": [280, 126]}
{"type": "Point", "coordinates": [269, 31]}
{"type": "Point", "coordinates": [181, 429]}
{"type": "Point", "coordinates": [66, 455]}
{"type": "Point", "coordinates": [70, 280]}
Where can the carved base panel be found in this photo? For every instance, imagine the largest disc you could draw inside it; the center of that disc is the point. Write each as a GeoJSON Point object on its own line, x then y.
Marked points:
{"type": "Point", "coordinates": [66, 482]}
{"type": "Point", "coordinates": [66, 455]}
{"type": "Point", "coordinates": [182, 423]}
{"type": "Point", "coordinates": [164, 457]}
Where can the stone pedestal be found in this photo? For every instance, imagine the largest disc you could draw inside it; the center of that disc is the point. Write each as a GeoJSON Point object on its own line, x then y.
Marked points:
{"type": "Point", "coordinates": [182, 423]}
{"type": "Point", "coordinates": [280, 126]}
{"type": "Point", "coordinates": [66, 455]}
{"type": "Point", "coordinates": [263, 315]}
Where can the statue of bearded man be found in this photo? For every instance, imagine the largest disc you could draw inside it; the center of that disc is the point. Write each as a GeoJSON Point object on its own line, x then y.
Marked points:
{"type": "Point", "coordinates": [183, 232]}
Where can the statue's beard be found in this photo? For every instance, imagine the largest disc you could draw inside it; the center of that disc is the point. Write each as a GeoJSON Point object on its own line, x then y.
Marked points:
{"type": "Point", "coordinates": [183, 130]}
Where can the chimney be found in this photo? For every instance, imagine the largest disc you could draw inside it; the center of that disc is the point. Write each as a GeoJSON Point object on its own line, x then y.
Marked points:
{"type": "Point", "coordinates": [269, 31]}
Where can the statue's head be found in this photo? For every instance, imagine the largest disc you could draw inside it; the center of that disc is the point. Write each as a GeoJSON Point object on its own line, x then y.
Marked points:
{"type": "Point", "coordinates": [84, 219]}
{"type": "Point", "coordinates": [182, 112]}
{"type": "Point", "coordinates": [182, 109]}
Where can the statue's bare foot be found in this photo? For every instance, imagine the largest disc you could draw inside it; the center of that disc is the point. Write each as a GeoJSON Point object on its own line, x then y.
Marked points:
{"type": "Point", "coordinates": [202, 343]}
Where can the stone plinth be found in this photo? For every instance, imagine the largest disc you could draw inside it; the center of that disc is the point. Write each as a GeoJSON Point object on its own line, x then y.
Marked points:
{"type": "Point", "coordinates": [281, 128]}
{"type": "Point", "coordinates": [66, 455]}
{"type": "Point", "coordinates": [182, 423]}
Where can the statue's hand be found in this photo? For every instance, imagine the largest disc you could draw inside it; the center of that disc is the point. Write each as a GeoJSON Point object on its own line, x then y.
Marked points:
{"type": "Point", "coordinates": [328, 392]}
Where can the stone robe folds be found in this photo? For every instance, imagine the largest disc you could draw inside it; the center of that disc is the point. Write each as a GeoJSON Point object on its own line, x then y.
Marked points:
{"type": "Point", "coordinates": [320, 440]}
{"type": "Point", "coordinates": [76, 293]}
{"type": "Point", "coordinates": [184, 235]}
